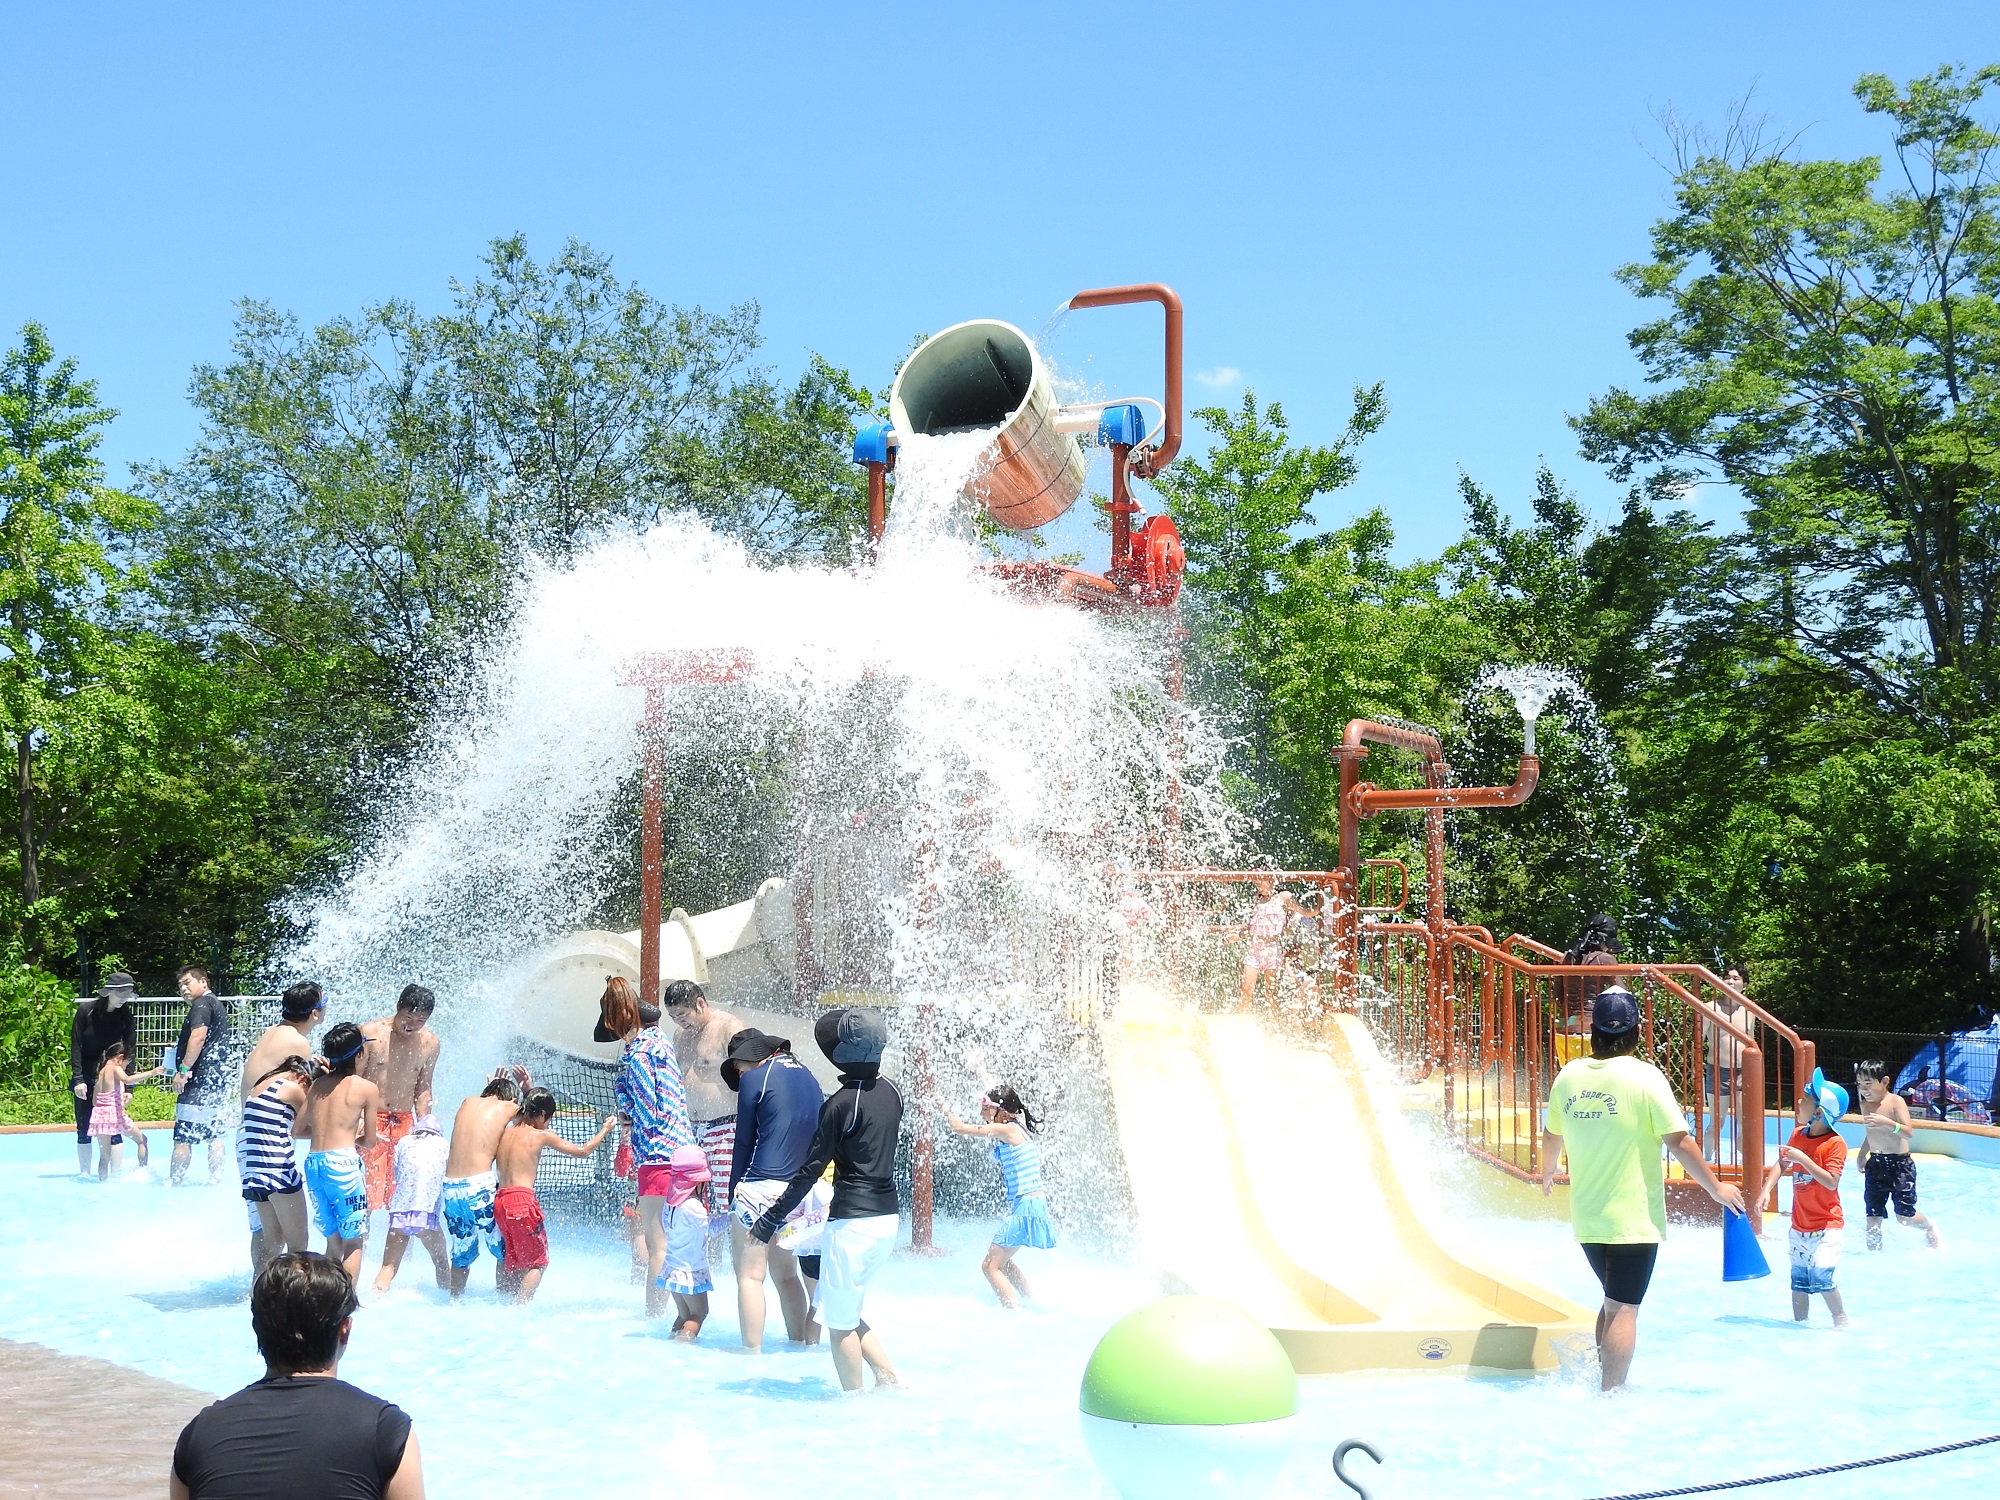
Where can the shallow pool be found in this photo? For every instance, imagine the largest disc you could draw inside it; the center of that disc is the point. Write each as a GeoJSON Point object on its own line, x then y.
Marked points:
{"type": "Point", "coordinates": [577, 1395]}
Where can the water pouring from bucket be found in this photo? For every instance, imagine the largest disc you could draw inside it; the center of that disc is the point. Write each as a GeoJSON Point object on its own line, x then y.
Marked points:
{"type": "Point", "coordinates": [985, 381]}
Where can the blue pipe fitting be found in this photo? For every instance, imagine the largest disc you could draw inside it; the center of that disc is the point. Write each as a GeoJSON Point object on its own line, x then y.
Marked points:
{"type": "Point", "coordinates": [871, 443]}
{"type": "Point", "coordinates": [1121, 424]}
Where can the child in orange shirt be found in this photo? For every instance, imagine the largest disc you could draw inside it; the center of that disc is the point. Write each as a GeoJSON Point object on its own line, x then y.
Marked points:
{"type": "Point", "coordinates": [1816, 1155]}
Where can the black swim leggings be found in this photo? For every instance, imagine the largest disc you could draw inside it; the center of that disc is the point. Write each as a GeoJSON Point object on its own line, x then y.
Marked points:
{"type": "Point", "coordinates": [83, 1112]}
{"type": "Point", "coordinates": [1624, 1271]}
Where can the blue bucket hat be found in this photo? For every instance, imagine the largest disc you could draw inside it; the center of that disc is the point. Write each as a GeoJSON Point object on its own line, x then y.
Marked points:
{"type": "Point", "coordinates": [1832, 1098]}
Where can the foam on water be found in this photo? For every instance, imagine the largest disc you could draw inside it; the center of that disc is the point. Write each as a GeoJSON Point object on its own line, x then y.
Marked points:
{"type": "Point", "coordinates": [576, 1395]}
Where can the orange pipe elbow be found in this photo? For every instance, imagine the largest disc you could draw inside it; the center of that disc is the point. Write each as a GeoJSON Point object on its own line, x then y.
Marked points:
{"type": "Point", "coordinates": [1370, 800]}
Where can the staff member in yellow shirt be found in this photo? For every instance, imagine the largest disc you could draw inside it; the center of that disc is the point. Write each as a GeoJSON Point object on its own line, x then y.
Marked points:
{"type": "Point", "coordinates": [1611, 1113]}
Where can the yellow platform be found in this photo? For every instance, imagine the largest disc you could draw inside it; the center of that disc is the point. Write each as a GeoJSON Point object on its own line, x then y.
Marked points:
{"type": "Point", "coordinates": [1262, 1174]}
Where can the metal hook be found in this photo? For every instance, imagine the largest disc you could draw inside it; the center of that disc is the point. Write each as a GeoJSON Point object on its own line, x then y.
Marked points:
{"type": "Point", "coordinates": [1353, 1445]}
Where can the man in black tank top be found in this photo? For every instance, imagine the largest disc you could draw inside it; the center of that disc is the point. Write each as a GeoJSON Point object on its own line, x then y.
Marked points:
{"type": "Point", "coordinates": [301, 1431]}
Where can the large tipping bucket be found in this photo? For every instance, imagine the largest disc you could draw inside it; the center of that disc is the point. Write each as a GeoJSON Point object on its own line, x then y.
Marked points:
{"type": "Point", "coordinates": [986, 375]}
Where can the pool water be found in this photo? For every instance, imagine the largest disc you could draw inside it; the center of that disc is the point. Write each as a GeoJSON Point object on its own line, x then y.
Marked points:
{"type": "Point", "coordinates": [578, 1395]}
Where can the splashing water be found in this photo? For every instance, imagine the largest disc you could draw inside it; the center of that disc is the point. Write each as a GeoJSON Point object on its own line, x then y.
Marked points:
{"type": "Point", "coordinates": [1581, 792]}
{"type": "Point", "coordinates": [1531, 689]}
{"type": "Point", "coordinates": [958, 770]}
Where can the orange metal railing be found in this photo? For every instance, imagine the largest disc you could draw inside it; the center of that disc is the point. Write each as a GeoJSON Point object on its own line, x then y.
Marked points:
{"type": "Point", "coordinates": [1495, 1036]}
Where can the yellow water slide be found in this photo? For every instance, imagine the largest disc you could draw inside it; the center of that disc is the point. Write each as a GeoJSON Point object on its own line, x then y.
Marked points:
{"type": "Point", "coordinates": [1262, 1174]}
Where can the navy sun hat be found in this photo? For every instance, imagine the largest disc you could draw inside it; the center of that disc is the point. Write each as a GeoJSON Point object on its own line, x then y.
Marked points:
{"type": "Point", "coordinates": [1614, 1012]}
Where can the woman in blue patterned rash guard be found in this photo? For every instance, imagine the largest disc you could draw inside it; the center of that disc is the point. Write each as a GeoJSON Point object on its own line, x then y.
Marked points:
{"type": "Point", "coordinates": [652, 1107]}
{"type": "Point", "coordinates": [1005, 1120]}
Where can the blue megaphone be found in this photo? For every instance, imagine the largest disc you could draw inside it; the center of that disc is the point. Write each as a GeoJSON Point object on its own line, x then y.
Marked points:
{"type": "Point", "coordinates": [1742, 1257]}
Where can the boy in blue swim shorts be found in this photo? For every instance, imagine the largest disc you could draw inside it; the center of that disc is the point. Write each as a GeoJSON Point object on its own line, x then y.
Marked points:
{"type": "Point", "coordinates": [339, 1119]}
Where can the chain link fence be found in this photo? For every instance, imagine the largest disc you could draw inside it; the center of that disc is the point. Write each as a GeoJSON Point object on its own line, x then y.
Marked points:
{"type": "Point", "coordinates": [157, 1021]}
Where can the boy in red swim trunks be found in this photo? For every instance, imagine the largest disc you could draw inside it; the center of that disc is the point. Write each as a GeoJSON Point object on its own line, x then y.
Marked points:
{"type": "Point", "coordinates": [524, 1239]}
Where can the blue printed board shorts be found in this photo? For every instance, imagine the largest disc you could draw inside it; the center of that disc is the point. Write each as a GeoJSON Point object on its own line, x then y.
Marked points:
{"type": "Point", "coordinates": [468, 1218]}
{"type": "Point", "coordinates": [337, 1184]}
{"type": "Point", "coordinates": [1815, 1256]}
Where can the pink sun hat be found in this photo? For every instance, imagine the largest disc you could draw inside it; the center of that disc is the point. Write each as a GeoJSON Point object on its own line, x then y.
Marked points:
{"type": "Point", "coordinates": [687, 1169]}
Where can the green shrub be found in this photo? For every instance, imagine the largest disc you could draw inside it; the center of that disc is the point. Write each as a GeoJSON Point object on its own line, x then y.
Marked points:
{"type": "Point", "coordinates": [36, 1008]}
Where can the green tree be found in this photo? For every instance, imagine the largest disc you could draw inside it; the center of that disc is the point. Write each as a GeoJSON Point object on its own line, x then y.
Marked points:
{"type": "Point", "coordinates": [349, 530]}
{"type": "Point", "coordinates": [1830, 346]}
{"type": "Point", "coordinates": [1831, 349]}
{"type": "Point", "coordinates": [61, 690]}
{"type": "Point", "coordinates": [1241, 514]}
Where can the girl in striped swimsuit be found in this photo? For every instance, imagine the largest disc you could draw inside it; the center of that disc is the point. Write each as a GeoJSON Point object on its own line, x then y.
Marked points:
{"type": "Point", "coordinates": [271, 1181]}
{"type": "Point", "coordinates": [1005, 1120]}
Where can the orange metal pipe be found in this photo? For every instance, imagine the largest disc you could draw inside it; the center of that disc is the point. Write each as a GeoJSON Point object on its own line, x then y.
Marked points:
{"type": "Point", "coordinates": [652, 837]}
{"type": "Point", "coordinates": [1150, 463]}
{"type": "Point", "coordinates": [1369, 800]}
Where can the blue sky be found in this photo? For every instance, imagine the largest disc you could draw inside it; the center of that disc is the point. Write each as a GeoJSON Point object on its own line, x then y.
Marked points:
{"type": "Point", "coordinates": [1432, 196]}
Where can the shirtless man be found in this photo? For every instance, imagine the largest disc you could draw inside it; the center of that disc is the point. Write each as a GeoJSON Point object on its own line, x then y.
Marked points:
{"type": "Point", "coordinates": [339, 1117]}
{"type": "Point", "coordinates": [701, 1041]}
{"type": "Point", "coordinates": [1887, 1168]}
{"type": "Point", "coordinates": [401, 1056]}
{"type": "Point", "coordinates": [470, 1181]}
{"type": "Point", "coordinates": [303, 1008]}
{"type": "Point", "coordinates": [523, 1236]}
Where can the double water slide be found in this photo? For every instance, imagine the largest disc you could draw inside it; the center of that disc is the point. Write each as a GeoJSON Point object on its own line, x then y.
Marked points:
{"type": "Point", "coordinates": [1262, 1174]}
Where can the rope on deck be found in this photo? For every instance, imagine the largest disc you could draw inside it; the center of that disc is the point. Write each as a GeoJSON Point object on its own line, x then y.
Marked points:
{"type": "Point", "coordinates": [1859, 1463]}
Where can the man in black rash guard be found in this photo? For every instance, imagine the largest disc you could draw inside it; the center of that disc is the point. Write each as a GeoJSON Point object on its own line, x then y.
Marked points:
{"type": "Point", "coordinates": [301, 1431]}
{"type": "Point", "coordinates": [857, 1132]}
{"type": "Point", "coordinates": [105, 1018]}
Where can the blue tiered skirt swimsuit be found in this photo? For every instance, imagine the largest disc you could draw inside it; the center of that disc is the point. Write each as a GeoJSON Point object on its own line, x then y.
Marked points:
{"type": "Point", "coordinates": [1028, 1223]}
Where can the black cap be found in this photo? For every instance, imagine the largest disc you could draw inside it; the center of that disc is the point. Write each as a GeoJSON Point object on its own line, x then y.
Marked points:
{"type": "Point", "coordinates": [649, 1015]}
{"type": "Point", "coordinates": [1614, 1012]}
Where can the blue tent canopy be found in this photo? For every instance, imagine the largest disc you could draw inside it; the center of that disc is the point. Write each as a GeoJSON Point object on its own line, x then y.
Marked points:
{"type": "Point", "coordinates": [1969, 1064]}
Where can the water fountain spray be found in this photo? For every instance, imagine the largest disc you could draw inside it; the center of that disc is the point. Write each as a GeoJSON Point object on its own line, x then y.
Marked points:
{"type": "Point", "coordinates": [1531, 688]}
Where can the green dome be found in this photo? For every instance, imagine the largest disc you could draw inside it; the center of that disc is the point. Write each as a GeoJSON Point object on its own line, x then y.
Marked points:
{"type": "Point", "coordinates": [1189, 1362]}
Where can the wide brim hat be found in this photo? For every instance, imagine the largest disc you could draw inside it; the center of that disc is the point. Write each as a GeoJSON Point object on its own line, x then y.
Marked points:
{"type": "Point", "coordinates": [1832, 1098]}
{"type": "Point", "coordinates": [747, 1049]}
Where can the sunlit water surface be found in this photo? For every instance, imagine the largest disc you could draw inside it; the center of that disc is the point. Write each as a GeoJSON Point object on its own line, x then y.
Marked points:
{"type": "Point", "coordinates": [577, 1395]}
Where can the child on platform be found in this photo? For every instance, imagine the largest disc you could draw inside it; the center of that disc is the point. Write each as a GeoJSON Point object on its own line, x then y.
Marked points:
{"type": "Point", "coordinates": [1888, 1171]}
{"type": "Point", "coordinates": [685, 1218]}
{"type": "Point", "coordinates": [1815, 1156]}
{"type": "Point", "coordinates": [1005, 1121]}
{"type": "Point", "coordinates": [524, 1237]}
{"type": "Point", "coordinates": [109, 1123]}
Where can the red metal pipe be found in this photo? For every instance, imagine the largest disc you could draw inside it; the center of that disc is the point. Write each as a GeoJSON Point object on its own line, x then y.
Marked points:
{"type": "Point", "coordinates": [1151, 462]}
{"type": "Point", "coordinates": [654, 671]}
{"type": "Point", "coordinates": [878, 501]}
{"type": "Point", "coordinates": [1123, 508]}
